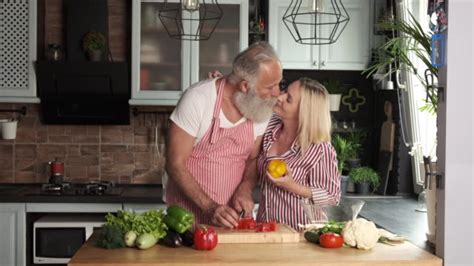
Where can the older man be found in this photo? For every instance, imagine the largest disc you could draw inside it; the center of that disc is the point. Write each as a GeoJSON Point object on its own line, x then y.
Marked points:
{"type": "Point", "coordinates": [215, 136]}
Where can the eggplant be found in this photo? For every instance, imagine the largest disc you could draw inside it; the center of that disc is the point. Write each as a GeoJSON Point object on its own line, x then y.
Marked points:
{"type": "Point", "coordinates": [172, 239]}
{"type": "Point", "coordinates": [188, 238]}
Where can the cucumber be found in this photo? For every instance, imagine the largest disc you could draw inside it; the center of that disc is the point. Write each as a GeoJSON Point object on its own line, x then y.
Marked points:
{"type": "Point", "coordinates": [145, 241]}
{"type": "Point", "coordinates": [130, 238]}
{"type": "Point", "coordinates": [312, 236]}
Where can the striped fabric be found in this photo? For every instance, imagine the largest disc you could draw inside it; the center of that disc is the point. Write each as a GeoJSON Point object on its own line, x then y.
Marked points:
{"type": "Point", "coordinates": [317, 169]}
{"type": "Point", "coordinates": [217, 162]}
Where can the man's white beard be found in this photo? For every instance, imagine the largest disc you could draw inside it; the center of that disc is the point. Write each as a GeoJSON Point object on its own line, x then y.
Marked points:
{"type": "Point", "coordinates": [252, 107]}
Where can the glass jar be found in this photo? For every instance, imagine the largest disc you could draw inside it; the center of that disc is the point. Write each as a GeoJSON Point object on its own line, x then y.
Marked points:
{"type": "Point", "coordinates": [54, 52]}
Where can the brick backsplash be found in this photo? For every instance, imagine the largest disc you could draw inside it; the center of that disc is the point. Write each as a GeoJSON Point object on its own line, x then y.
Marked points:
{"type": "Point", "coordinates": [123, 154]}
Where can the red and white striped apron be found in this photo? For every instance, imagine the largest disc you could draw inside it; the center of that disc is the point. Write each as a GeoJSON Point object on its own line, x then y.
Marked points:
{"type": "Point", "coordinates": [217, 162]}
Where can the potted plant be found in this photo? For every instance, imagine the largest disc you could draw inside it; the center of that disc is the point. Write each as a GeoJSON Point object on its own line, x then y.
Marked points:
{"type": "Point", "coordinates": [343, 149]}
{"type": "Point", "coordinates": [94, 44]}
{"type": "Point", "coordinates": [334, 89]}
{"type": "Point", "coordinates": [356, 138]}
{"type": "Point", "coordinates": [364, 178]}
{"type": "Point", "coordinates": [411, 40]}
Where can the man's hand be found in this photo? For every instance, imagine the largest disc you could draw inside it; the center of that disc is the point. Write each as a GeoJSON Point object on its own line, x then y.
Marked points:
{"type": "Point", "coordinates": [243, 201]}
{"type": "Point", "coordinates": [224, 216]}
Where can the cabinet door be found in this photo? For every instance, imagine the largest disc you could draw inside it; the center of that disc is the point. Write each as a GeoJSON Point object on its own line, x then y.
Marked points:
{"type": "Point", "coordinates": [12, 234]}
{"type": "Point", "coordinates": [292, 55]}
{"type": "Point", "coordinates": [228, 39]}
{"type": "Point", "coordinates": [352, 50]}
{"type": "Point", "coordinates": [159, 63]}
{"type": "Point", "coordinates": [18, 51]}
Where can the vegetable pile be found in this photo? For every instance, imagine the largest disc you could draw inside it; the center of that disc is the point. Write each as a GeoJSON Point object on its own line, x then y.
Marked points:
{"type": "Point", "coordinates": [132, 229]}
{"type": "Point", "coordinates": [179, 222]}
{"type": "Point", "coordinates": [359, 233]}
{"type": "Point", "coordinates": [328, 236]}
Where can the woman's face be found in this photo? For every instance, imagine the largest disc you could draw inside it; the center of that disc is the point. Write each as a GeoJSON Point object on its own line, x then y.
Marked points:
{"type": "Point", "coordinates": [288, 102]}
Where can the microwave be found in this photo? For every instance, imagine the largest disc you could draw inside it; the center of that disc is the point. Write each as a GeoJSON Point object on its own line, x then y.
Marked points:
{"type": "Point", "coordinates": [57, 237]}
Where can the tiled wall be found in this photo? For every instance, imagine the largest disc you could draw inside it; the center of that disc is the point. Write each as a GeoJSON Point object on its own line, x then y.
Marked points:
{"type": "Point", "coordinates": [123, 154]}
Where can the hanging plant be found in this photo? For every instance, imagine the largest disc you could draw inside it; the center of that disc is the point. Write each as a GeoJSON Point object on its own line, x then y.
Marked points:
{"type": "Point", "coordinates": [411, 39]}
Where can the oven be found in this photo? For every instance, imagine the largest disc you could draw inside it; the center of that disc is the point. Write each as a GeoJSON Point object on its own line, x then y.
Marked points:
{"type": "Point", "coordinates": [56, 237]}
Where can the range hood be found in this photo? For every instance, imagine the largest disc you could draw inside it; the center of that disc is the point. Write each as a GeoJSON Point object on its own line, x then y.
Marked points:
{"type": "Point", "coordinates": [77, 91]}
{"type": "Point", "coordinates": [84, 92]}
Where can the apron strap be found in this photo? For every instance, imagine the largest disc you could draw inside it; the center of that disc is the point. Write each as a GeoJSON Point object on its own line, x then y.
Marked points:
{"type": "Point", "coordinates": [217, 110]}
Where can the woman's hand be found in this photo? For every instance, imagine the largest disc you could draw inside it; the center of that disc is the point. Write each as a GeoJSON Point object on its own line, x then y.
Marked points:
{"type": "Point", "coordinates": [285, 181]}
{"type": "Point", "coordinates": [214, 74]}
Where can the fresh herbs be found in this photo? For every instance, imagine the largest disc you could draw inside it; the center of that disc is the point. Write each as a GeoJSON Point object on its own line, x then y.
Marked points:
{"type": "Point", "coordinates": [332, 227]}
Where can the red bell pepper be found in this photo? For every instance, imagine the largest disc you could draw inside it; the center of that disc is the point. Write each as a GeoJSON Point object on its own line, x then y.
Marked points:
{"type": "Point", "coordinates": [205, 238]}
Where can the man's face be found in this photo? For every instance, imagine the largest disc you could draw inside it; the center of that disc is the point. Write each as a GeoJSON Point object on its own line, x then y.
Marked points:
{"type": "Point", "coordinates": [268, 80]}
{"type": "Point", "coordinates": [257, 102]}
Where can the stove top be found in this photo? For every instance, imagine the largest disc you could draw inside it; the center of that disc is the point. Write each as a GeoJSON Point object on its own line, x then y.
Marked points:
{"type": "Point", "coordinates": [93, 188]}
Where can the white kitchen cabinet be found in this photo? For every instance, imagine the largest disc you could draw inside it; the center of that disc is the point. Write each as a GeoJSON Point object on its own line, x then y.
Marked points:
{"type": "Point", "coordinates": [350, 52]}
{"type": "Point", "coordinates": [18, 51]}
{"type": "Point", "coordinates": [12, 234]}
{"type": "Point", "coordinates": [162, 67]}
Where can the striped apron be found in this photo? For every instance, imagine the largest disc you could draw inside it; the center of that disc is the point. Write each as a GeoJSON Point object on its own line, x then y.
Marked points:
{"type": "Point", "coordinates": [217, 162]}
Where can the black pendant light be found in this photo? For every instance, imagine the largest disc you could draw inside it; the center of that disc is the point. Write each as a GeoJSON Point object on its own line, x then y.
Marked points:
{"type": "Point", "coordinates": [193, 20]}
{"type": "Point", "coordinates": [316, 21]}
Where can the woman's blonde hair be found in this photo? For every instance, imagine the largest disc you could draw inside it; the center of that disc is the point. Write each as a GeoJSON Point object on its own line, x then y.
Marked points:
{"type": "Point", "coordinates": [314, 125]}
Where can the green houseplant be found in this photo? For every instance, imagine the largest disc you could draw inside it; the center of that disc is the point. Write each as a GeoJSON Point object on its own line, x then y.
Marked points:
{"type": "Point", "coordinates": [334, 89]}
{"type": "Point", "coordinates": [364, 176]}
{"type": "Point", "coordinates": [94, 44]}
{"type": "Point", "coordinates": [411, 40]}
{"type": "Point", "coordinates": [356, 138]}
{"type": "Point", "coordinates": [344, 149]}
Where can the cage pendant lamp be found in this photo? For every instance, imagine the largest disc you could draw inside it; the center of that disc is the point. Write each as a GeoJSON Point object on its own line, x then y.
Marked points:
{"type": "Point", "coordinates": [193, 20]}
{"type": "Point", "coordinates": [316, 22]}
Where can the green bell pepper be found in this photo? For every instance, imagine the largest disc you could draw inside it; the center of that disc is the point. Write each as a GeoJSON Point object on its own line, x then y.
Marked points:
{"type": "Point", "coordinates": [179, 219]}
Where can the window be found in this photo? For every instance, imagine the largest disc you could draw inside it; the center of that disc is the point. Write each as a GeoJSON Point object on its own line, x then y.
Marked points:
{"type": "Point", "coordinates": [419, 126]}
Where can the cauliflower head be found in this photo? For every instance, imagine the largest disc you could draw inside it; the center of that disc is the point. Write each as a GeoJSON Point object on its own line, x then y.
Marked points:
{"type": "Point", "coordinates": [360, 233]}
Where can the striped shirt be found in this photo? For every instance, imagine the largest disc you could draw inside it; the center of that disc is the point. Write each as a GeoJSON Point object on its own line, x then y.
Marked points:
{"type": "Point", "coordinates": [316, 169]}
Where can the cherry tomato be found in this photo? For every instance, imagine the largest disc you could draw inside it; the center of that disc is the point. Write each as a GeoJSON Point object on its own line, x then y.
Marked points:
{"type": "Point", "coordinates": [266, 227]}
{"type": "Point", "coordinates": [331, 240]}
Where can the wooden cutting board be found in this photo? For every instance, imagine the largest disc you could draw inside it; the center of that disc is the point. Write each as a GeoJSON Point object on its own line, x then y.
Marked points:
{"type": "Point", "coordinates": [283, 234]}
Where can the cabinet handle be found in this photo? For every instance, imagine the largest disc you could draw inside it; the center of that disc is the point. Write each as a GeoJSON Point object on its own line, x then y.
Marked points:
{"type": "Point", "coordinates": [315, 63]}
{"type": "Point", "coordinates": [323, 63]}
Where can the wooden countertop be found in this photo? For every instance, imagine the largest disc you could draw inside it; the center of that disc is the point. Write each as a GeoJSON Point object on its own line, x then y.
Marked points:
{"type": "Point", "coordinates": [301, 253]}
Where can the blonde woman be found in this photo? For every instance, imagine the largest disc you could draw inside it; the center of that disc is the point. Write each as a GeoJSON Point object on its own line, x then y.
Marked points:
{"type": "Point", "coordinates": [299, 133]}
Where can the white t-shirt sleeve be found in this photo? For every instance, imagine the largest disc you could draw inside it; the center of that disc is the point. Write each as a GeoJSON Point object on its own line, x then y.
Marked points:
{"type": "Point", "coordinates": [188, 114]}
{"type": "Point", "coordinates": [259, 128]}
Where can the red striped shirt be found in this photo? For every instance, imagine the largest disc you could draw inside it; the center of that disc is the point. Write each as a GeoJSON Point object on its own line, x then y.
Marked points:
{"type": "Point", "coordinates": [217, 163]}
{"type": "Point", "coordinates": [317, 169]}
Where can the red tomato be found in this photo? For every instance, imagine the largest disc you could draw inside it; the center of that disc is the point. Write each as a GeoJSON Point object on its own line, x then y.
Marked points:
{"type": "Point", "coordinates": [247, 223]}
{"type": "Point", "coordinates": [331, 240]}
{"type": "Point", "coordinates": [205, 238]}
{"type": "Point", "coordinates": [266, 227]}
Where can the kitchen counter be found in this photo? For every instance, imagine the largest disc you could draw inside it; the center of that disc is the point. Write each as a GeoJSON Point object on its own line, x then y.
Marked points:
{"type": "Point", "coordinates": [301, 253]}
{"type": "Point", "coordinates": [130, 194]}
